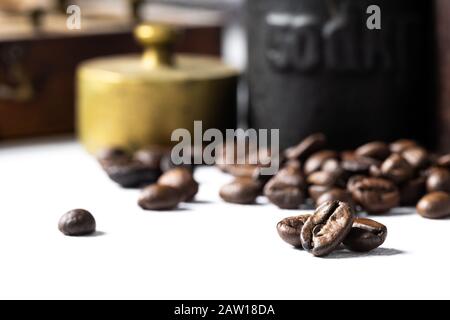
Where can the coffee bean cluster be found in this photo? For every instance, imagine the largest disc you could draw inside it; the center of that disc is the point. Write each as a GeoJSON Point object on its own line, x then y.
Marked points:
{"type": "Point", "coordinates": [333, 224]}
{"type": "Point", "coordinates": [374, 178]}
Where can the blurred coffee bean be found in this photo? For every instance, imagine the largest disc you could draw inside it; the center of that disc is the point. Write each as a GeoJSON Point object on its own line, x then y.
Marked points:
{"type": "Point", "coordinates": [290, 176]}
{"type": "Point", "coordinates": [167, 164]}
{"type": "Point", "coordinates": [435, 205]}
{"type": "Point", "coordinates": [376, 150]}
{"type": "Point", "coordinates": [353, 181]}
{"type": "Point", "coordinates": [375, 172]}
{"type": "Point", "coordinates": [113, 156]}
{"type": "Point", "coordinates": [355, 165]}
{"type": "Point", "coordinates": [181, 179]}
{"type": "Point", "coordinates": [376, 196]}
{"type": "Point", "coordinates": [77, 222]}
{"type": "Point", "coordinates": [241, 191]}
{"type": "Point", "coordinates": [397, 169]}
{"type": "Point", "coordinates": [284, 196]}
{"type": "Point", "coordinates": [289, 229]}
{"type": "Point", "coordinates": [133, 174]}
{"type": "Point", "coordinates": [152, 155]}
{"type": "Point", "coordinates": [438, 180]}
{"type": "Point", "coordinates": [307, 147]}
{"type": "Point", "coordinates": [293, 163]}
{"type": "Point", "coordinates": [417, 157]}
{"type": "Point", "coordinates": [160, 197]}
{"type": "Point", "coordinates": [365, 235]}
{"type": "Point", "coordinates": [335, 194]}
{"type": "Point", "coordinates": [323, 178]}
{"type": "Point", "coordinates": [315, 191]}
{"type": "Point", "coordinates": [316, 161]}
{"type": "Point", "coordinates": [401, 145]}
{"type": "Point", "coordinates": [444, 161]}
{"type": "Point", "coordinates": [327, 228]}
{"type": "Point", "coordinates": [412, 190]}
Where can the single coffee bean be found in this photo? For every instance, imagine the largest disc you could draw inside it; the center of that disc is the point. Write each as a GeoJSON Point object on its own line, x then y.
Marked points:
{"type": "Point", "coordinates": [284, 196]}
{"type": "Point", "coordinates": [365, 235]}
{"type": "Point", "coordinates": [181, 179]}
{"type": "Point", "coordinates": [133, 174]}
{"type": "Point", "coordinates": [241, 191]}
{"type": "Point", "coordinates": [412, 190]}
{"type": "Point", "coordinates": [160, 197]}
{"type": "Point", "coordinates": [316, 191]}
{"type": "Point", "coordinates": [316, 161]}
{"type": "Point", "coordinates": [397, 169]}
{"type": "Point", "coordinates": [290, 228]}
{"type": "Point", "coordinates": [323, 178]}
{"type": "Point", "coordinates": [401, 145]}
{"type": "Point", "coordinates": [307, 147]}
{"type": "Point", "coordinates": [376, 196]}
{"type": "Point", "coordinates": [327, 228]}
{"type": "Point", "coordinates": [290, 176]}
{"type": "Point", "coordinates": [335, 194]}
{"type": "Point", "coordinates": [434, 205]}
{"type": "Point", "coordinates": [417, 157]}
{"type": "Point", "coordinates": [355, 165]}
{"type": "Point", "coordinates": [77, 222]}
{"type": "Point", "coordinates": [438, 180]}
{"type": "Point", "coordinates": [444, 161]}
{"type": "Point", "coordinates": [376, 150]}
{"type": "Point", "coordinates": [113, 156]}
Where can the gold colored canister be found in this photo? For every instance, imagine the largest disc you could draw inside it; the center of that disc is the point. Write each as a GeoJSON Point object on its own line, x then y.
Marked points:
{"type": "Point", "coordinates": [133, 101]}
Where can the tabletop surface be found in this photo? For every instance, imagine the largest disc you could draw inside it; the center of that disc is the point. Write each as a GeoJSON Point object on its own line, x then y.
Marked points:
{"type": "Point", "coordinates": [203, 250]}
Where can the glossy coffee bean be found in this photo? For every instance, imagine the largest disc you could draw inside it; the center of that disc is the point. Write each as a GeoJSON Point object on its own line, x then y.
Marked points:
{"type": "Point", "coordinates": [397, 169]}
{"type": "Point", "coordinates": [376, 150]}
{"type": "Point", "coordinates": [284, 196]}
{"type": "Point", "coordinates": [241, 191]}
{"type": "Point", "coordinates": [327, 228]}
{"type": "Point", "coordinates": [417, 157]}
{"type": "Point", "coordinates": [133, 174]}
{"type": "Point", "coordinates": [376, 196]}
{"type": "Point", "coordinates": [401, 145]}
{"type": "Point", "coordinates": [316, 161]}
{"type": "Point", "coordinates": [77, 222]}
{"type": "Point", "coordinates": [438, 180]}
{"type": "Point", "coordinates": [412, 191]}
{"type": "Point", "coordinates": [181, 179]}
{"type": "Point", "coordinates": [160, 197]}
{"type": "Point", "coordinates": [355, 165]}
{"type": "Point", "coordinates": [316, 191]}
{"type": "Point", "coordinates": [290, 176]}
{"type": "Point", "coordinates": [335, 194]}
{"type": "Point", "coordinates": [365, 235]}
{"type": "Point", "coordinates": [289, 229]}
{"type": "Point", "coordinates": [324, 178]}
{"type": "Point", "coordinates": [307, 147]}
{"type": "Point", "coordinates": [435, 205]}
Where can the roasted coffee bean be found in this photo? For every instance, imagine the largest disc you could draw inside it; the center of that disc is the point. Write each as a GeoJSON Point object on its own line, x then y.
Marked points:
{"type": "Point", "coordinates": [241, 191]}
{"type": "Point", "coordinates": [290, 228]}
{"type": "Point", "coordinates": [417, 157]}
{"type": "Point", "coordinates": [375, 172]}
{"type": "Point", "coordinates": [353, 181]}
{"type": "Point", "coordinates": [401, 145]}
{"type": "Point", "coordinates": [152, 156]}
{"type": "Point", "coordinates": [444, 161]}
{"type": "Point", "coordinates": [316, 191]}
{"type": "Point", "coordinates": [160, 197]}
{"type": "Point", "coordinates": [323, 178]}
{"type": "Point", "coordinates": [181, 179]}
{"type": "Point", "coordinates": [327, 228]}
{"type": "Point", "coordinates": [376, 150]}
{"type": "Point", "coordinates": [294, 164]}
{"type": "Point", "coordinates": [133, 174]}
{"type": "Point", "coordinates": [332, 165]}
{"type": "Point", "coordinates": [113, 156]}
{"type": "Point", "coordinates": [365, 235]}
{"type": "Point", "coordinates": [397, 169]}
{"type": "Point", "coordinates": [307, 147]}
{"type": "Point", "coordinates": [438, 180]}
{"type": "Point", "coordinates": [435, 205]}
{"type": "Point", "coordinates": [376, 196]}
{"type": "Point", "coordinates": [284, 196]}
{"type": "Point", "coordinates": [316, 161]}
{"type": "Point", "coordinates": [411, 191]}
{"type": "Point", "coordinates": [355, 165]}
{"type": "Point", "coordinates": [77, 222]}
{"type": "Point", "coordinates": [335, 194]}
{"type": "Point", "coordinates": [290, 176]}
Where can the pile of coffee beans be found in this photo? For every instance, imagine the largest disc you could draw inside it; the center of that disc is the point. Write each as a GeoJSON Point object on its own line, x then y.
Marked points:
{"type": "Point", "coordinates": [374, 178]}
{"type": "Point", "coordinates": [333, 224]}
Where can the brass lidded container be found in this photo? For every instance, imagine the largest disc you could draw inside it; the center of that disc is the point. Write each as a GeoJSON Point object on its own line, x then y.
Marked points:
{"type": "Point", "coordinates": [132, 101]}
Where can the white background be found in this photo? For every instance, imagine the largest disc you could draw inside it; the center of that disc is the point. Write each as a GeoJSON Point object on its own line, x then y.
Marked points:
{"type": "Point", "coordinates": [205, 250]}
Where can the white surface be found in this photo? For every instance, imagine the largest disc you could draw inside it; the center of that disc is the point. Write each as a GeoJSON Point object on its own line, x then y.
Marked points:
{"type": "Point", "coordinates": [207, 250]}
